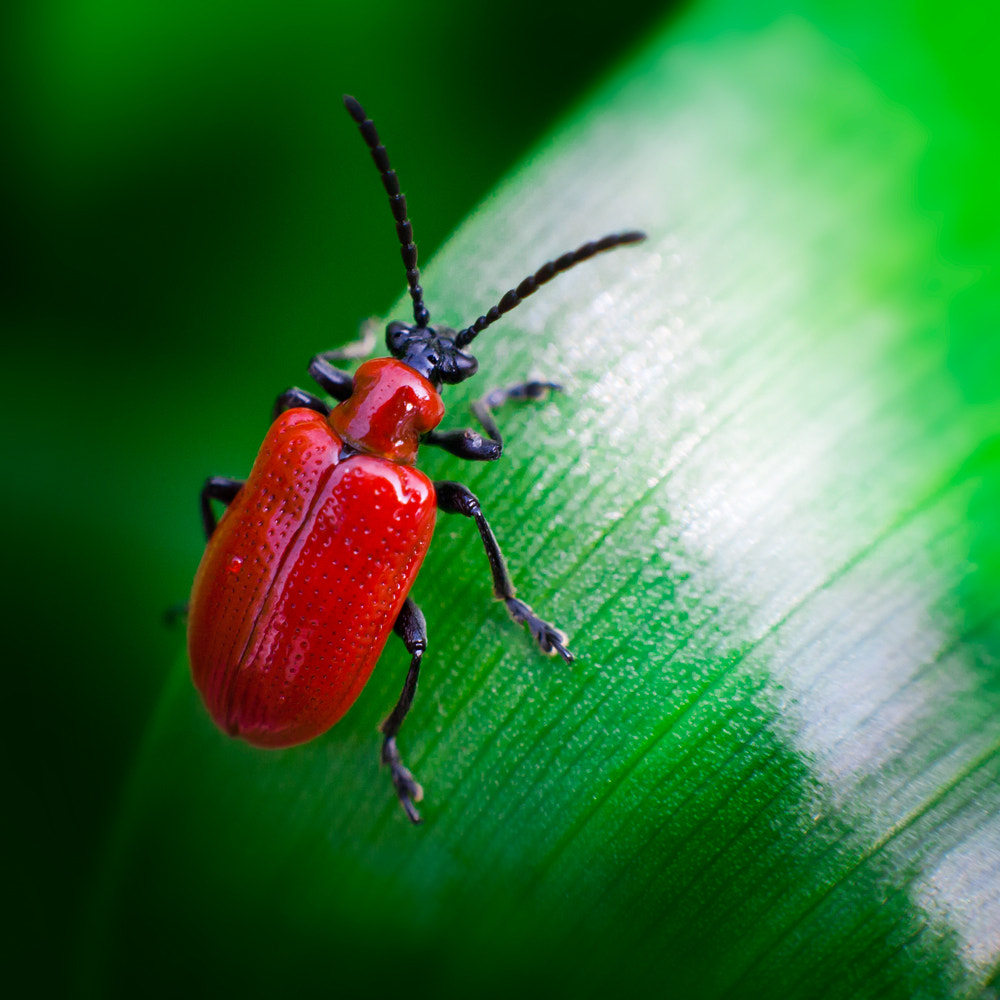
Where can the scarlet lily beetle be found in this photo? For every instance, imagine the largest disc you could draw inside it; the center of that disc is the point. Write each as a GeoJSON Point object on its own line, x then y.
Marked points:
{"type": "Point", "coordinates": [310, 566]}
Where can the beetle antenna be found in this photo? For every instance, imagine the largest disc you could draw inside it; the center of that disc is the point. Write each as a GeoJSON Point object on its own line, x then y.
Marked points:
{"type": "Point", "coordinates": [545, 273]}
{"type": "Point", "coordinates": [397, 202]}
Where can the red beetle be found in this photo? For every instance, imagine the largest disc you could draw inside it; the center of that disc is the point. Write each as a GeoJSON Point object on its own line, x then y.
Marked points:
{"type": "Point", "coordinates": [310, 567]}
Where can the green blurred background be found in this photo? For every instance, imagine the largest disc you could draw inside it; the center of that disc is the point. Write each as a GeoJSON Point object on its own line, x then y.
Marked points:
{"type": "Point", "coordinates": [190, 216]}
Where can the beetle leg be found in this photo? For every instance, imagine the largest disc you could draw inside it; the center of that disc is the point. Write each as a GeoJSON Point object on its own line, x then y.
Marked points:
{"type": "Point", "coordinates": [453, 498]}
{"type": "Point", "coordinates": [335, 381]}
{"type": "Point", "coordinates": [467, 443]}
{"type": "Point", "coordinates": [482, 409]}
{"type": "Point", "coordinates": [218, 488]}
{"type": "Point", "coordinates": [473, 446]}
{"type": "Point", "coordinates": [412, 629]}
{"type": "Point", "coordinates": [295, 397]}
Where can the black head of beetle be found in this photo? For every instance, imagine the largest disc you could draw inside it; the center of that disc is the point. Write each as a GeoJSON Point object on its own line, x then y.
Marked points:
{"type": "Point", "coordinates": [431, 351]}
{"type": "Point", "coordinates": [436, 352]}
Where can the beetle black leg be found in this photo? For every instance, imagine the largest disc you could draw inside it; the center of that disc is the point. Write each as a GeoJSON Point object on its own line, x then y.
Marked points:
{"type": "Point", "coordinates": [294, 398]}
{"type": "Point", "coordinates": [336, 382]}
{"type": "Point", "coordinates": [412, 629]}
{"type": "Point", "coordinates": [482, 409]}
{"type": "Point", "coordinates": [217, 488]}
{"type": "Point", "coordinates": [471, 445]}
{"type": "Point", "coordinates": [466, 443]}
{"type": "Point", "coordinates": [453, 498]}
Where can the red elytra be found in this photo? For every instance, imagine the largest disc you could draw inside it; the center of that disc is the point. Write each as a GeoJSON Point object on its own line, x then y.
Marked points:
{"type": "Point", "coordinates": [311, 565]}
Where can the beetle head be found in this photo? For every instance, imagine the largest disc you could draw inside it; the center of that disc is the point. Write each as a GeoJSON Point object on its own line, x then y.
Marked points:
{"type": "Point", "coordinates": [431, 351]}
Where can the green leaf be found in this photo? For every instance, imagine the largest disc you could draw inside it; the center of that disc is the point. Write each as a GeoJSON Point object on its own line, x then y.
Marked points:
{"type": "Point", "coordinates": [763, 510]}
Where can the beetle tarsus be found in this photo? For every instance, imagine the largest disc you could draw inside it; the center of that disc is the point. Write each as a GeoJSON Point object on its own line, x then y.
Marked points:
{"type": "Point", "coordinates": [550, 639]}
{"type": "Point", "coordinates": [407, 787]}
